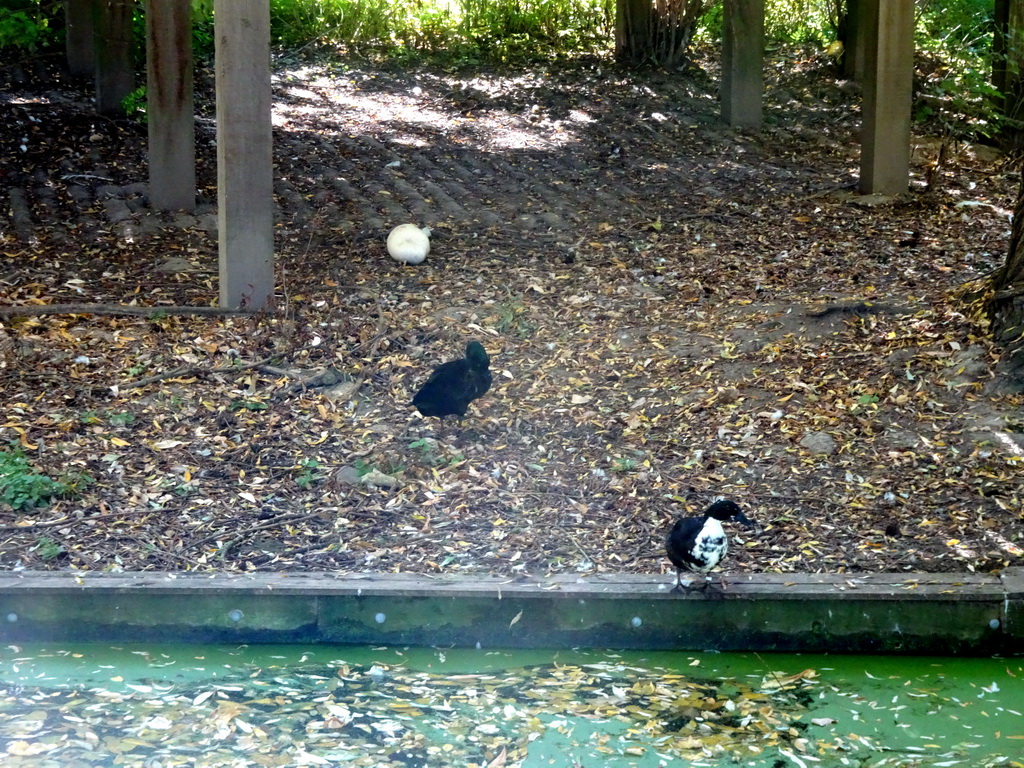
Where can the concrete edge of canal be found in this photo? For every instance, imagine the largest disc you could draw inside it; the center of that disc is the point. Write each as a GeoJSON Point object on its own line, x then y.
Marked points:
{"type": "Point", "coordinates": [912, 613]}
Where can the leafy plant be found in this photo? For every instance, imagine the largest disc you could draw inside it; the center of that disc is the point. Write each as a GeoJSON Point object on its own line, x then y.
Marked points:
{"type": "Point", "coordinates": [184, 489]}
{"type": "Point", "coordinates": [248, 405]}
{"type": "Point", "coordinates": [426, 449]}
{"type": "Point", "coordinates": [48, 549]}
{"type": "Point", "coordinates": [801, 21]}
{"type": "Point", "coordinates": [26, 28]}
{"type": "Point", "coordinates": [202, 27]}
{"type": "Point", "coordinates": [90, 418]}
{"type": "Point", "coordinates": [21, 487]}
{"type": "Point", "coordinates": [310, 476]}
{"type": "Point", "coordinates": [122, 419]}
{"type": "Point", "coordinates": [623, 464]}
{"type": "Point", "coordinates": [428, 452]}
{"type": "Point", "coordinates": [512, 319]}
{"type": "Point", "coordinates": [134, 104]}
{"type": "Point", "coordinates": [75, 482]}
{"type": "Point", "coordinates": [953, 41]}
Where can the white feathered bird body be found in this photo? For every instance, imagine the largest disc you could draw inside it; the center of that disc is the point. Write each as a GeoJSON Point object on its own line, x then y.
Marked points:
{"type": "Point", "coordinates": [409, 244]}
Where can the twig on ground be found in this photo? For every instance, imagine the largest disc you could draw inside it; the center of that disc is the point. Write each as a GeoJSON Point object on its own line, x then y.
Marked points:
{"type": "Point", "coordinates": [66, 520]}
{"type": "Point", "coordinates": [189, 370]}
{"type": "Point", "coordinates": [113, 309]}
{"type": "Point", "coordinates": [276, 522]}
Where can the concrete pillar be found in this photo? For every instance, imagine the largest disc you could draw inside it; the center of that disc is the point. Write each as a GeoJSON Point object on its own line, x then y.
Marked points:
{"type": "Point", "coordinates": [115, 75]}
{"type": "Point", "coordinates": [742, 63]}
{"type": "Point", "coordinates": [244, 153]}
{"type": "Point", "coordinates": [885, 138]}
{"type": "Point", "coordinates": [856, 54]}
{"type": "Point", "coordinates": [172, 144]}
{"type": "Point", "coordinates": [78, 42]}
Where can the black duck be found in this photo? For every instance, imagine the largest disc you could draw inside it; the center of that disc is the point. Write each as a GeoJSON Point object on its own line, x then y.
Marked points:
{"type": "Point", "coordinates": [455, 384]}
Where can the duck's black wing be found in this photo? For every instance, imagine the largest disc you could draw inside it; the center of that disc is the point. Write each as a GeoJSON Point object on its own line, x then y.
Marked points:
{"type": "Point", "coordinates": [472, 384]}
{"type": "Point", "coordinates": [440, 394]}
{"type": "Point", "coordinates": [679, 542]}
{"type": "Point", "coordinates": [476, 383]}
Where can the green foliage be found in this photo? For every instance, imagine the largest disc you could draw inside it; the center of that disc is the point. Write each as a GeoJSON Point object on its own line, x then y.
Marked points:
{"type": "Point", "coordinates": [125, 419]}
{"type": "Point", "coordinates": [801, 21]}
{"type": "Point", "coordinates": [426, 449]}
{"type": "Point", "coordinates": [24, 25]}
{"type": "Point", "coordinates": [21, 487]}
{"type": "Point", "coordinates": [310, 476]}
{"type": "Point", "coordinates": [202, 27]}
{"type": "Point", "coordinates": [370, 22]}
{"type": "Point", "coordinates": [247, 405]}
{"type": "Point", "coordinates": [90, 418]}
{"type": "Point", "coordinates": [48, 549]}
{"type": "Point", "coordinates": [465, 31]}
{"type": "Point", "coordinates": [134, 104]}
{"type": "Point", "coordinates": [956, 19]}
{"type": "Point", "coordinates": [954, 50]}
{"type": "Point", "coordinates": [429, 455]}
{"type": "Point", "coordinates": [74, 482]}
{"type": "Point", "coordinates": [623, 464]}
{"type": "Point", "coordinates": [511, 319]}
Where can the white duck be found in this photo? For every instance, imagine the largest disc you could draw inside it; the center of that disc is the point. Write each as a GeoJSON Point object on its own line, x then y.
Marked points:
{"type": "Point", "coordinates": [409, 244]}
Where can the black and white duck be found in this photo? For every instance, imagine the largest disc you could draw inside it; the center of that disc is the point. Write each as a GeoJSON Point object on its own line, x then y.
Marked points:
{"type": "Point", "coordinates": [699, 543]}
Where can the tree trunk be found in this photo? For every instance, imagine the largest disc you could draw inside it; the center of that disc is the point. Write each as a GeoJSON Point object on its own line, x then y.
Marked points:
{"type": "Point", "coordinates": [1008, 69]}
{"type": "Point", "coordinates": [1006, 309]}
{"type": "Point", "coordinates": [655, 32]}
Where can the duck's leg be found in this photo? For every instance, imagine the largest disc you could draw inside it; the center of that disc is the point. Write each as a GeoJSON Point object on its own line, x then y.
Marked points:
{"type": "Point", "coordinates": [705, 587]}
{"type": "Point", "coordinates": [711, 589]}
{"type": "Point", "coordinates": [683, 588]}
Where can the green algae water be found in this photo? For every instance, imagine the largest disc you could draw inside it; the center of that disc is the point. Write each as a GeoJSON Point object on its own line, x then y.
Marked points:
{"type": "Point", "coordinates": [157, 707]}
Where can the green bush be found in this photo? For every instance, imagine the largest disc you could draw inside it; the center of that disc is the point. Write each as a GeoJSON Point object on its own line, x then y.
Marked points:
{"type": "Point", "coordinates": [464, 29]}
{"type": "Point", "coordinates": [202, 27]}
{"type": "Point", "coordinates": [954, 53]}
{"type": "Point", "coordinates": [21, 487]}
{"type": "Point", "coordinates": [24, 26]}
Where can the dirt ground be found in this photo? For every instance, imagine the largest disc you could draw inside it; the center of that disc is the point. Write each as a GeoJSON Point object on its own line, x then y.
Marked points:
{"type": "Point", "coordinates": [674, 311]}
